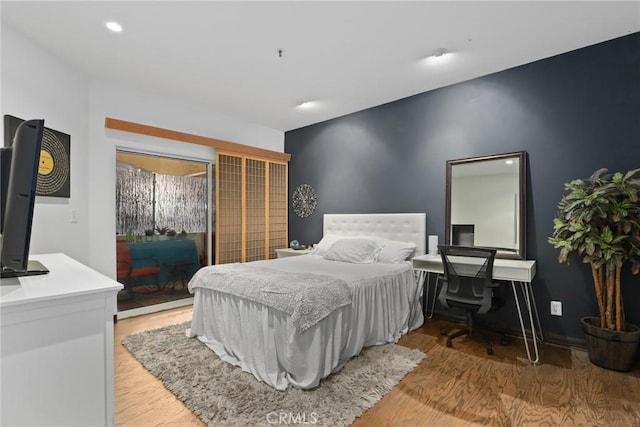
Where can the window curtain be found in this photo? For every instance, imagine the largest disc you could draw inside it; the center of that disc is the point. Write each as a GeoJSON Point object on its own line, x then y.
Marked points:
{"type": "Point", "coordinates": [180, 202]}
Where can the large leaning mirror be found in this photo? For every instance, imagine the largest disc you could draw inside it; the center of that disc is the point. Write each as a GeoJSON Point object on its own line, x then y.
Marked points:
{"type": "Point", "coordinates": [486, 203]}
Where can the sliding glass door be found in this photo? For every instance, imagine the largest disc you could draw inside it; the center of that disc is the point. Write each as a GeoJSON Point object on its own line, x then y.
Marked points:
{"type": "Point", "coordinates": [162, 226]}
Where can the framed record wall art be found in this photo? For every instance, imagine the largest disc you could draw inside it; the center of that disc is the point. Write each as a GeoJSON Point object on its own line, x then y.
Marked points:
{"type": "Point", "coordinates": [55, 165]}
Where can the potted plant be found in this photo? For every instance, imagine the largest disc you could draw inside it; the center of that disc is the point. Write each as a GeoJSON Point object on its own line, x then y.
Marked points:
{"type": "Point", "coordinates": [172, 234]}
{"type": "Point", "coordinates": [149, 232]}
{"type": "Point", "coordinates": [183, 234]}
{"type": "Point", "coordinates": [598, 221]}
{"type": "Point", "coordinates": [162, 232]}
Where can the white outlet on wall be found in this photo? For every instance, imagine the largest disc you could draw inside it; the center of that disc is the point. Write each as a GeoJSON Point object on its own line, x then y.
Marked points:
{"type": "Point", "coordinates": [556, 308]}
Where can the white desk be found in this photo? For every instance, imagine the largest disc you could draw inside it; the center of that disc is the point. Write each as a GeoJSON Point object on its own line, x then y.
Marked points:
{"type": "Point", "coordinates": [57, 346]}
{"type": "Point", "coordinates": [514, 271]}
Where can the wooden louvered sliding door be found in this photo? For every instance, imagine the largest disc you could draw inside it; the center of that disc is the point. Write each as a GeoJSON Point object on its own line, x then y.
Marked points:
{"type": "Point", "coordinates": [278, 220]}
{"type": "Point", "coordinates": [255, 213]}
{"type": "Point", "coordinates": [251, 208]}
{"type": "Point", "coordinates": [229, 179]}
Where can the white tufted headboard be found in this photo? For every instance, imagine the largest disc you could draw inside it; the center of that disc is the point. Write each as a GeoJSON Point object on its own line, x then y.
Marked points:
{"type": "Point", "coordinates": [404, 227]}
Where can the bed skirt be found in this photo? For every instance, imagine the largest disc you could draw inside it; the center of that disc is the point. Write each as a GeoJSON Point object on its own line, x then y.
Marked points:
{"type": "Point", "coordinates": [261, 341]}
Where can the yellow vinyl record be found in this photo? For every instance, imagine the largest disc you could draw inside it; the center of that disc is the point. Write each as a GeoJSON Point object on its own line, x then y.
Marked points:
{"type": "Point", "coordinates": [54, 163]}
{"type": "Point", "coordinates": [53, 169]}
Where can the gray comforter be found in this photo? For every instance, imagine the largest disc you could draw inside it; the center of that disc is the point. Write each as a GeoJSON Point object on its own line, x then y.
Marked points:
{"type": "Point", "coordinates": [307, 298]}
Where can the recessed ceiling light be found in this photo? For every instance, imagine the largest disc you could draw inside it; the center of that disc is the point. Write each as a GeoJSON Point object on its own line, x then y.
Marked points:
{"type": "Point", "coordinates": [114, 26]}
{"type": "Point", "coordinates": [439, 52]}
{"type": "Point", "coordinates": [438, 56]}
{"type": "Point", "coordinates": [305, 104]}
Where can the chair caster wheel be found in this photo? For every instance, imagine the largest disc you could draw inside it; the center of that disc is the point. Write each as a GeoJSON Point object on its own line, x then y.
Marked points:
{"type": "Point", "coordinates": [504, 341]}
{"type": "Point", "coordinates": [449, 343]}
{"type": "Point", "coordinates": [490, 351]}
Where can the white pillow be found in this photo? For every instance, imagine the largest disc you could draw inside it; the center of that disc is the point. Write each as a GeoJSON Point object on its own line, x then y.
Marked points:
{"type": "Point", "coordinates": [353, 250]}
{"type": "Point", "coordinates": [325, 243]}
{"type": "Point", "coordinates": [393, 252]}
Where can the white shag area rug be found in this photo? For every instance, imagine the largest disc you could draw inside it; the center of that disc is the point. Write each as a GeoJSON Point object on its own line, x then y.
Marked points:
{"type": "Point", "coordinates": [222, 395]}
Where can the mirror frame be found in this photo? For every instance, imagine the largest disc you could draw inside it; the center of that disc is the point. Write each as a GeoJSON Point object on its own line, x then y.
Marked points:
{"type": "Point", "coordinates": [522, 226]}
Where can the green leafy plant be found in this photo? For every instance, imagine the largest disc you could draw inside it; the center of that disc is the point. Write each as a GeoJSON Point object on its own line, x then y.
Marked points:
{"type": "Point", "coordinates": [149, 232]}
{"type": "Point", "coordinates": [162, 230]}
{"type": "Point", "coordinates": [171, 233]}
{"type": "Point", "coordinates": [598, 221]}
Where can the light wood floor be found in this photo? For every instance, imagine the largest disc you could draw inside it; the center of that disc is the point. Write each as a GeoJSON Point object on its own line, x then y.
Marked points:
{"type": "Point", "coordinates": [459, 386]}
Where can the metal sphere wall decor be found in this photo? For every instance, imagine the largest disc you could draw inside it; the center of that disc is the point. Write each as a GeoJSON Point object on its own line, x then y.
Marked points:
{"type": "Point", "coordinates": [304, 200]}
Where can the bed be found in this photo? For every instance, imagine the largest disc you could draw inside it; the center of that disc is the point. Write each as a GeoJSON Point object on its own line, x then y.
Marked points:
{"type": "Point", "coordinates": [281, 347]}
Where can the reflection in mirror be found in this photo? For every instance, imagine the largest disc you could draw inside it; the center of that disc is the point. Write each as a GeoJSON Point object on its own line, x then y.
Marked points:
{"type": "Point", "coordinates": [485, 203]}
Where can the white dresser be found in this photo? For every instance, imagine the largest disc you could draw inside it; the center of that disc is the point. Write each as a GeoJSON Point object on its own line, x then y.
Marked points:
{"type": "Point", "coordinates": [56, 346]}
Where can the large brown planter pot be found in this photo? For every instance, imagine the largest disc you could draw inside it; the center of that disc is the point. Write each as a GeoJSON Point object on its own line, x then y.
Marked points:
{"type": "Point", "coordinates": [610, 349]}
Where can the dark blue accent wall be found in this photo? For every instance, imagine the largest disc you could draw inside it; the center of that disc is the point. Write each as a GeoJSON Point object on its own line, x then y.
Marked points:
{"type": "Point", "coordinates": [572, 113]}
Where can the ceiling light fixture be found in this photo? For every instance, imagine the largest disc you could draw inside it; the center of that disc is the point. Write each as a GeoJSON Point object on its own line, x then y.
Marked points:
{"type": "Point", "coordinates": [305, 104]}
{"type": "Point", "coordinates": [439, 52]}
{"type": "Point", "coordinates": [114, 26]}
{"type": "Point", "coordinates": [439, 55]}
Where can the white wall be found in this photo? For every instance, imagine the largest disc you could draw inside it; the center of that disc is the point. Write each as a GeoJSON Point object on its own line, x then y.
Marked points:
{"type": "Point", "coordinates": [35, 85]}
{"type": "Point", "coordinates": [38, 85]}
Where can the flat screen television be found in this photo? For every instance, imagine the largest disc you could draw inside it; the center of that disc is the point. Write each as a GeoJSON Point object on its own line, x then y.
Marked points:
{"type": "Point", "coordinates": [19, 160]}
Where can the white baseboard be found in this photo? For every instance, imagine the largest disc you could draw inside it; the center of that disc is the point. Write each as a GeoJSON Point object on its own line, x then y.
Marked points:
{"type": "Point", "coordinates": [154, 308]}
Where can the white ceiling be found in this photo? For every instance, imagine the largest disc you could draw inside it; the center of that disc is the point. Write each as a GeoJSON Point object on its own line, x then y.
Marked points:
{"type": "Point", "coordinates": [345, 56]}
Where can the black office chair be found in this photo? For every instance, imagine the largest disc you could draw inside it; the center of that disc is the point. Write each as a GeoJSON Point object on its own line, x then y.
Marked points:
{"type": "Point", "coordinates": [469, 285]}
